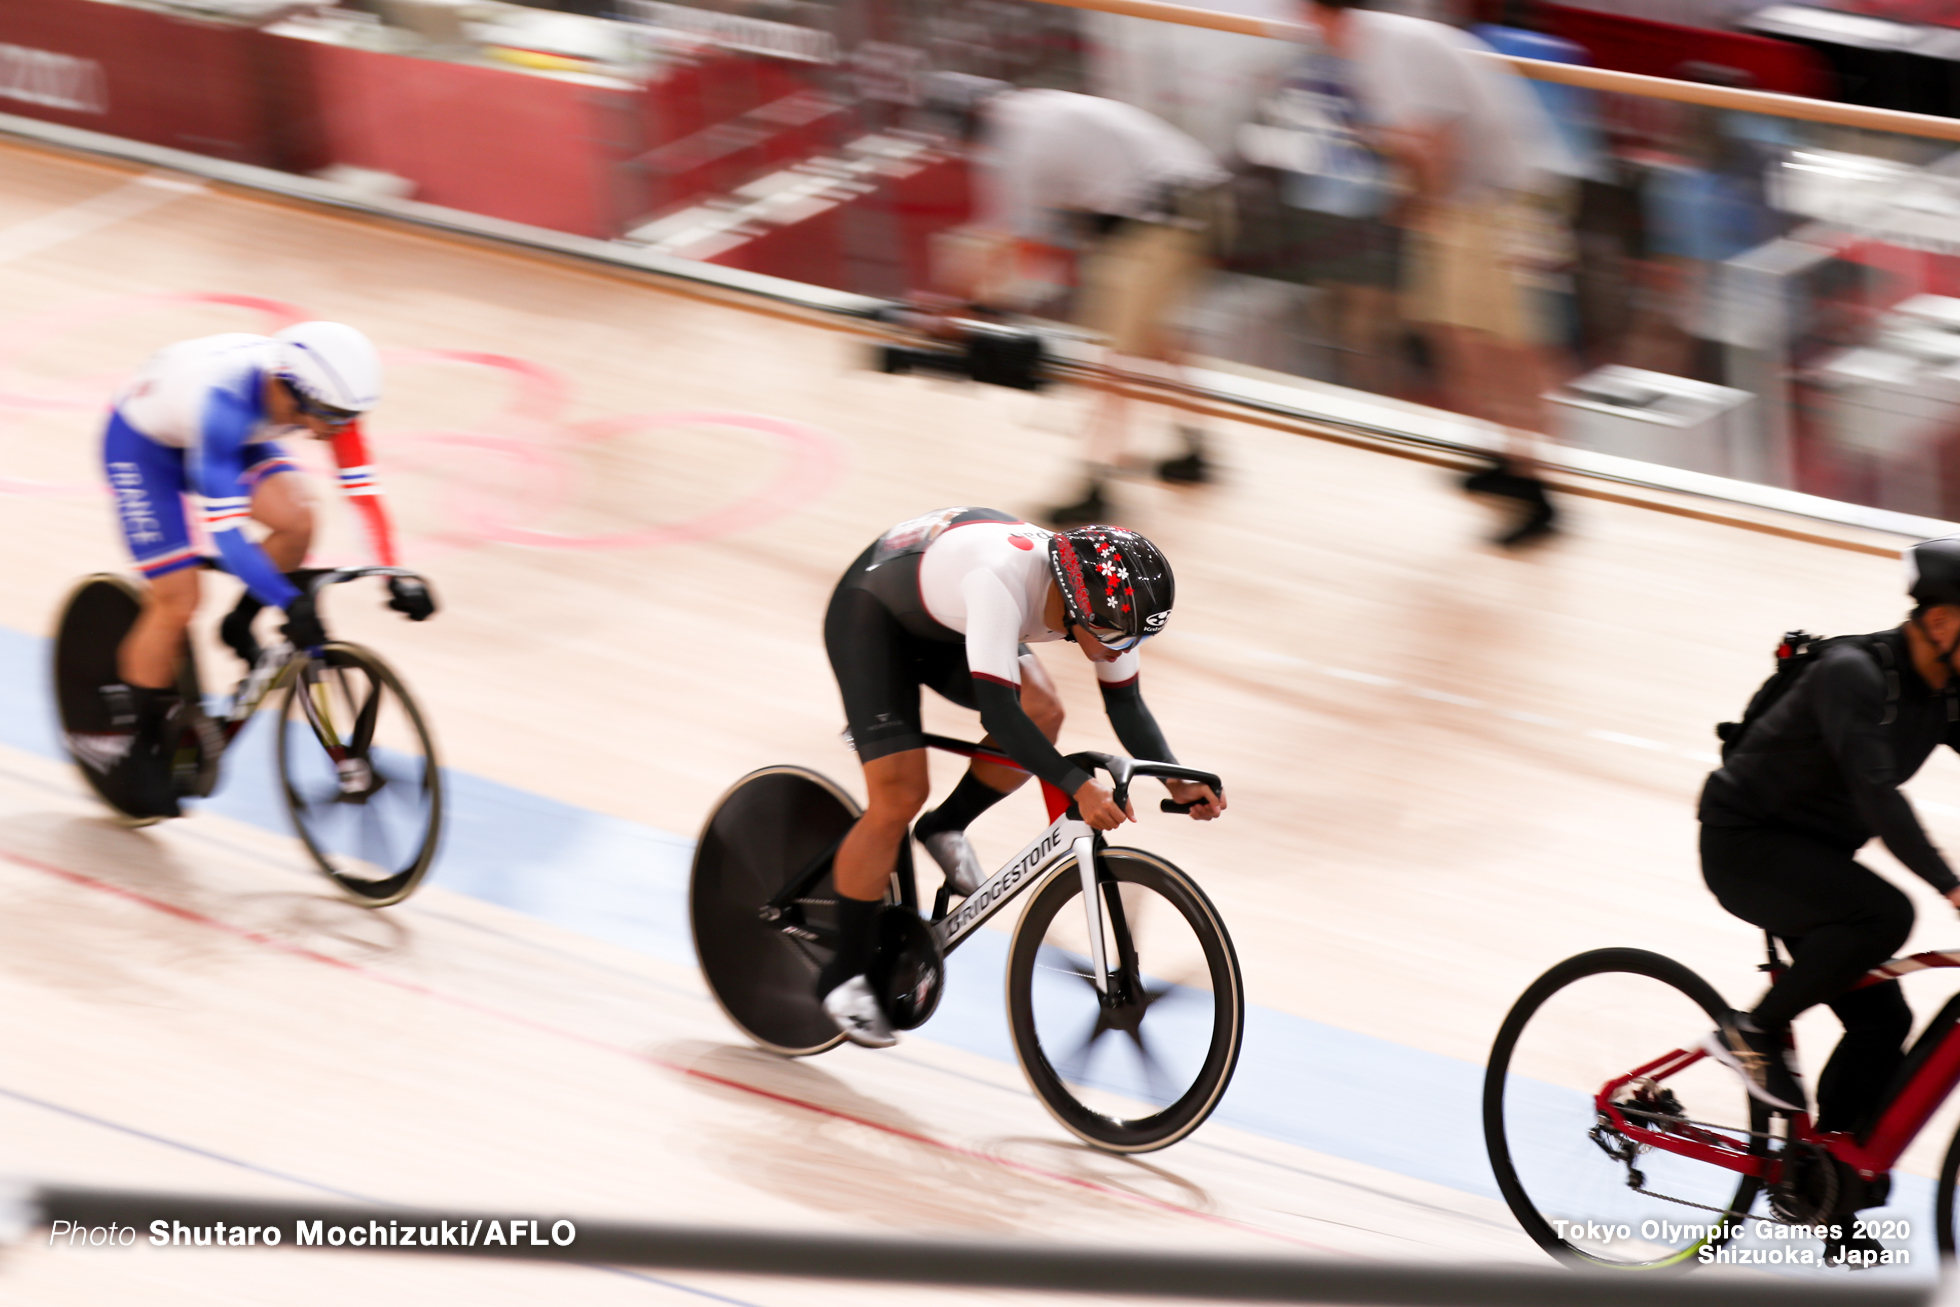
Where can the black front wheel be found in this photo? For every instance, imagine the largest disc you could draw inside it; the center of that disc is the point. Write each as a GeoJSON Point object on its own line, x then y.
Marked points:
{"type": "Point", "coordinates": [1579, 1188]}
{"type": "Point", "coordinates": [1139, 1062]}
{"type": "Point", "coordinates": [359, 773]}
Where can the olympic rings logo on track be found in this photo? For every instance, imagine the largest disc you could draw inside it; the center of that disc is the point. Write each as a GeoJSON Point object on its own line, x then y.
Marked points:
{"type": "Point", "coordinates": [529, 437]}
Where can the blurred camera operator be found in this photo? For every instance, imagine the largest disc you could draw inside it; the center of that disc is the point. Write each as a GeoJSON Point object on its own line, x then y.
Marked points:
{"type": "Point", "coordinates": [1137, 197]}
{"type": "Point", "coordinates": [1473, 147]}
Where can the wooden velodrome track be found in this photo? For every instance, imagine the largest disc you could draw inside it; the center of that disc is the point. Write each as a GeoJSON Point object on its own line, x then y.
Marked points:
{"type": "Point", "coordinates": [1448, 768]}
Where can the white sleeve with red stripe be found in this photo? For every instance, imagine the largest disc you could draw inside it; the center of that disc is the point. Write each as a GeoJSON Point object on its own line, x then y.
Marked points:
{"type": "Point", "coordinates": [993, 627]}
{"type": "Point", "coordinates": [358, 483]}
{"type": "Point", "coordinates": [1122, 671]}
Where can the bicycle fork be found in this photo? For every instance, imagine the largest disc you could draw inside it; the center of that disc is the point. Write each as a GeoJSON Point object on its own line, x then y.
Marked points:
{"type": "Point", "coordinates": [1085, 864]}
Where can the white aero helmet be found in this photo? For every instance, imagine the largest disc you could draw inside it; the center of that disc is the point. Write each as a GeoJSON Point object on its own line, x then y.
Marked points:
{"type": "Point", "coordinates": [333, 369]}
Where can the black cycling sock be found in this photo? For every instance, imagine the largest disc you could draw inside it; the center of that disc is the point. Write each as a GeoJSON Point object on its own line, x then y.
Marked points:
{"type": "Point", "coordinates": [856, 940]}
{"type": "Point", "coordinates": [236, 629]}
{"type": "Point", "coordinates": [971, 797]}
{"type": "Point", "coordinates": [248, 606]}
{"type": "Point", "coordinates": [150, 706]}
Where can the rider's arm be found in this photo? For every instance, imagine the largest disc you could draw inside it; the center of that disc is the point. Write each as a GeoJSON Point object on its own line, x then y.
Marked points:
{"type": "Point", "coordinates": [357, 482]}
{"type": "Point", "coordinates": [993, 639]}
{"type": "Point", "coordinates": [1850, 698]}
{"type": "Point", "coordinates": [217, 468]}
{"type": "Point", "coordinates": [1128, 713]}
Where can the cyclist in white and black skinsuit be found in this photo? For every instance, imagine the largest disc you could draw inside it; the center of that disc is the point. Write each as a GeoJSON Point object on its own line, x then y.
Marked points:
{"type": "Point", "coordinates": [951, 600]}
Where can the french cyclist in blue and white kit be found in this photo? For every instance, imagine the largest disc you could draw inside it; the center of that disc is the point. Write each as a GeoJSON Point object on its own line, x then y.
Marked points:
{"type": "Point", "coordinates": [200, 419]}
{"type": "Point", "coordinates": [951, 600]}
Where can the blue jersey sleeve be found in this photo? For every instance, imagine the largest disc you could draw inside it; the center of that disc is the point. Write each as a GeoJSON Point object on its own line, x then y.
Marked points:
{"type": "Point", "coordinates": [218, 476]}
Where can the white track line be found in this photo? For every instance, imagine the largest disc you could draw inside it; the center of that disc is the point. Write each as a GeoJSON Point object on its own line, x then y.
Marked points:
{"type": "Point", "coordinates": [150, 191]}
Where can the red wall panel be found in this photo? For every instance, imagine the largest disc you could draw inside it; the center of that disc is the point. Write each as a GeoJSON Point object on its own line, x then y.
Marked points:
{"type": "Point", "coordinates": [505, 144]}
{"type": "Point", "coordinates": [141, 75]}
{"type": "Point", "coordinates": [1641, 45]}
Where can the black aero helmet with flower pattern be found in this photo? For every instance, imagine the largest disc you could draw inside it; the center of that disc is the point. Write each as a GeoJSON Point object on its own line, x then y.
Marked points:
{"type": "Point", "coordinates": [1114, 582]}
{"type": "Point", "coordinates": [1933, 571]}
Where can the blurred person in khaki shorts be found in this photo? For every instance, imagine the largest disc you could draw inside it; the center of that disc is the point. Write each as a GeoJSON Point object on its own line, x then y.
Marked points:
{"type": "Point", "coordinates": [1139, 201]}
{"type": "Point", "coordinates": [1480, 162]}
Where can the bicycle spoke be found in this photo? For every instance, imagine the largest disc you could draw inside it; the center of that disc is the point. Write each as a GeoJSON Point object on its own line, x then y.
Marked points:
{"type": "Point", "coordinates": [1081, 968]}
{"type": "Point", "coordinates": [1598, 1018]}
{"type": "Point", "coordinates": [357, 772]}
{"type": "Point", "coordinates": [365, 718]}
{"type": "Point", "coordinates": [1074, 1067]}
{"type": "Point", "coordinates": [1155, 1073]}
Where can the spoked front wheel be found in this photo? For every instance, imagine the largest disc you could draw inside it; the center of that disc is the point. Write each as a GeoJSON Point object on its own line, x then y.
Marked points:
{"type": "Point", "coordinates": [1140, 1064]}
{"type": "Point", "coordinates": [360, 775]}
{"type": "Point", "coordinates": [1581, 1188]}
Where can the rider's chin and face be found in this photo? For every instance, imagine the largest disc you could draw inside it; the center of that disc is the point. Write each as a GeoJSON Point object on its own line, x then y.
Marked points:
{"type": "Point", "coordinates": [284, 411]}
{"type": "Point", "coordinates": [1932, 631]}
{"type": "Point", "coordinates": [1092, 648]}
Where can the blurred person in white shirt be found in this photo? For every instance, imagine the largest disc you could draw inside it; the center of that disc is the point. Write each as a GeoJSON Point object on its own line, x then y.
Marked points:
{"type": "Point", "coordinates": [1137, 197]}
{"type": "Point", "coordinates": [1473, 146]}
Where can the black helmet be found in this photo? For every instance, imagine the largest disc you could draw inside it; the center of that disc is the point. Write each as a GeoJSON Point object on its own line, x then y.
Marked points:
{"type": "Point", "coordinates": [1933, 571]}
{"type": "Point", "coordinates": [1113, 582]}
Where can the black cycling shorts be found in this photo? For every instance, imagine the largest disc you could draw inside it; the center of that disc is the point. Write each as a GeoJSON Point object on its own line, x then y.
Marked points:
{"type": "Point", "coordinates": [880, 662]}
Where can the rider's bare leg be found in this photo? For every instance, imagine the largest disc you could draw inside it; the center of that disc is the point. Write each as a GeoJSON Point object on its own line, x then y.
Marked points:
{"type": "Point", "coordinates": [283, 503]}
{"type": "Point", "coordinates": [897, 785]}
{"type": "Point", "coordinates": [148, 656]}
{"type": "Point", "coordinates": [943, 830]}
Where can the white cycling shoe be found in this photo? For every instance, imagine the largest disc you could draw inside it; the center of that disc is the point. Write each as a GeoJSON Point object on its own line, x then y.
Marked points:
{"type": "Point", "coordinates": [955, 856]}
{"type": "Point", "coordinates": [859, 1015]}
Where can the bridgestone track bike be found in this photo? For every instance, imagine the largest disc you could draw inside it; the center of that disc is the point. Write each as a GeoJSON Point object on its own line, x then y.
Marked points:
{"type": "Point", "coordinates": [1611, 1156]}
{"type": "Point", "coordinates": [357, 767]}
{"type": "Point", "coordinates": [1143, 956]}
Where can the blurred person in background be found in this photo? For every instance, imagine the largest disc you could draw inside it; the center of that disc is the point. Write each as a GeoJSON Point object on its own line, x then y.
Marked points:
{"type": "Point", "coordinates": [1471, 145]}
{"type": "Point", "coordinates": [1336, 194]}
{"type": "Point", "coordinates": [1703, 206]}
{"type": "Point", "coordinates": [1137, 199]}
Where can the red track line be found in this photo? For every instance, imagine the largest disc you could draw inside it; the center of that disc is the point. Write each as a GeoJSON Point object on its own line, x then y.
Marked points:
{"type": "Point", "coordinates": [85, 881]}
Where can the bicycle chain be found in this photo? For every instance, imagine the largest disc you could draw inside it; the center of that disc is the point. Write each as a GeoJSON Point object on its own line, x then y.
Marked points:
{"type": "Point", "coordinates": [1637, 1180]}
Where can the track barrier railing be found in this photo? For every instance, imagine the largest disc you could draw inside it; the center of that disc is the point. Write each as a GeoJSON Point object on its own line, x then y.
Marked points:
{"type": "Point", "coordinates": [1698, 370]}
{"type": "Point", "coordinates": [72, 1217]}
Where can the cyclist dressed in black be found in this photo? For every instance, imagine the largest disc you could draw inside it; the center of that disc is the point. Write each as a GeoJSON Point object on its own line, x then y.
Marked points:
{"type": "Point", "coordinates": [1805, 787]}
{"type": "Point", "coordinates": [951, 600]}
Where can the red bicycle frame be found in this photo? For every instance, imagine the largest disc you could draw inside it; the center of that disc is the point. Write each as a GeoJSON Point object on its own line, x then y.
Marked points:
{"type": "Point", "coordinates": [1902, 1120]}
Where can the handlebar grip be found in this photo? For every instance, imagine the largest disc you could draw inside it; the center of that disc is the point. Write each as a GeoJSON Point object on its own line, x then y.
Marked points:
{"type": "Point", "coordinates": [1172, 805]}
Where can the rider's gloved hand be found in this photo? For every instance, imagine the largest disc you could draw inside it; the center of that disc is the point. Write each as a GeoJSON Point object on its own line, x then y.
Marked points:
{"type": "Point", "coordinates": [408, 595]}
{"type": "Point", "coordinates": [303, 624]}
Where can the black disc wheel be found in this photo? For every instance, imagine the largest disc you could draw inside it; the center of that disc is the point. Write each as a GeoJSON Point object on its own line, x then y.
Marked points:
{"type": "Point", "coordinates": [97, 615]}
{"type": "Point", "coordinates": [773, 827]}
{"type": "Point", "coordinates": [359, 773]}
{"type": "Point", "coordinates": [1140, 1062]}
{"type": "Point", "coordinates": [1579, 1187]}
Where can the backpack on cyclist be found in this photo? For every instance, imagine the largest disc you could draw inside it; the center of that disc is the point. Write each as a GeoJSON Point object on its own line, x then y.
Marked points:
{"type": "Point", "coordinates": [1797, 651]}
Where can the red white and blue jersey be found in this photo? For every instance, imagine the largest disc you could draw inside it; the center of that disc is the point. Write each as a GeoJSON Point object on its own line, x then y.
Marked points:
{"type": "Point", "coordinates": [205, 398]}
